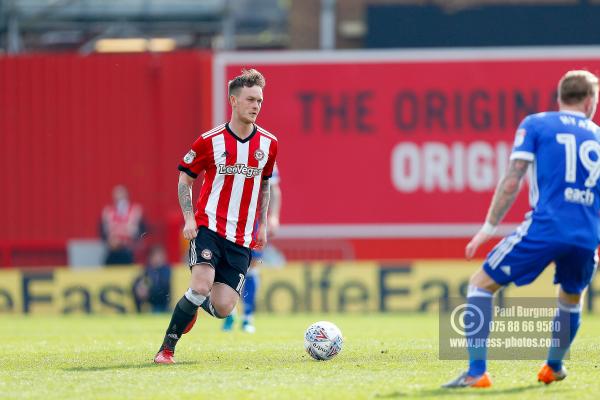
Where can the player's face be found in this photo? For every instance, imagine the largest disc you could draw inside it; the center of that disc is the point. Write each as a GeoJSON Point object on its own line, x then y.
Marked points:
{"type": "Point", "coordinates": [246, 105]}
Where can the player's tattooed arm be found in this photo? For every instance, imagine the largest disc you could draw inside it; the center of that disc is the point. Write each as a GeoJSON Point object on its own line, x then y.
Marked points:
{"type": "Point", "coordinates": [265, 197]}
{"type": "Point", "coordinates": [506, 191]}
{"type": "Point", "coordinates": [185, 199]}
{"type": "Point", "coordinates": [184, 191]}
{"type": "Point", "coordinates": [263, 201]}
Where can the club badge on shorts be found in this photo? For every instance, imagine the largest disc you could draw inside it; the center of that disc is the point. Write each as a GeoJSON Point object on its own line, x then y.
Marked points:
{"type": "Point", "coordinates": [206, 254]}
{"type": "Point", "coordinates": [189, 157]}
{"type": "Point", "coordinates": [259, 154]}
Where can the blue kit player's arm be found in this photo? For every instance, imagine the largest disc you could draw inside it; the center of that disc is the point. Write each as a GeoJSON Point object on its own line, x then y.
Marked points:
{"type": "Point", "coordinates": [506, 192]}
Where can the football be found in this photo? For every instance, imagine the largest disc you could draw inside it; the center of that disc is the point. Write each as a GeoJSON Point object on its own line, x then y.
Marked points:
{"type": "Point", "coordinates": [323, 340]}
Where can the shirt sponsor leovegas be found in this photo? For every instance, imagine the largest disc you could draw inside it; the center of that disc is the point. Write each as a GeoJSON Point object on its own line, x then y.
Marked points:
{"type": "Point", "coordinates": [242, 169]}
{"type": "Point", "coordinates": [393, 142]}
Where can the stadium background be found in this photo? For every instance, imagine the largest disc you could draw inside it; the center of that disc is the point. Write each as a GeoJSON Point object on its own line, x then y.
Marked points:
{"type": "Point", "coordinates": [393, 134]}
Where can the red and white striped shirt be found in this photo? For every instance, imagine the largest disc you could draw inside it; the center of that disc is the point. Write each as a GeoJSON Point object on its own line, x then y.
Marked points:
{"type": "Point", "coordinates": [234, 169]}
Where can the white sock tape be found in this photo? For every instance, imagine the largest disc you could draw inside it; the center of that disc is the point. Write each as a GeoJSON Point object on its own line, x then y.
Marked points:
{"type": "Point", "coordinates": [194, 297]}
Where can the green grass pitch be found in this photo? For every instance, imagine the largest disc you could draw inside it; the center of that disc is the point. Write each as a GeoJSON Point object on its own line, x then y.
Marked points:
{"type": "Point", "coordinates": [384, 356]}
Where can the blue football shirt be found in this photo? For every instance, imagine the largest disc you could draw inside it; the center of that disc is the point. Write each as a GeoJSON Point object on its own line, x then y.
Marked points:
{"type": "Point", "coordinates": [564, 191]}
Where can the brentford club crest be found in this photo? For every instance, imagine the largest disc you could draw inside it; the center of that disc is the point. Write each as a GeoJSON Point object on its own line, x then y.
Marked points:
{"type": "Point", "coordinates": [206, 254]}
{"type": "Point", "coordinates": [259, 154]}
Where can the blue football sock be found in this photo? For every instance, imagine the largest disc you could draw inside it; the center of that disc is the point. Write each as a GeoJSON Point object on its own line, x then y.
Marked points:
{"type": "Point", "coordinates": [228, 322]}
{"type": "Point", "coordinates": [567, 320]}
{"type": "Point", "coordinates": [249, 295]}
{"type": "Point", "coordinates": [477, 318]}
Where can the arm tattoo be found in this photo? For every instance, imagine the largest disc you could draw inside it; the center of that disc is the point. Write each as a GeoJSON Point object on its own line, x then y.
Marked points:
{"type": "Point", "coordinates": [506, 191]}
{"type": "Point", "coordinates": [265, 195]}
{"type": "Point", "coordinates": [185, 198]}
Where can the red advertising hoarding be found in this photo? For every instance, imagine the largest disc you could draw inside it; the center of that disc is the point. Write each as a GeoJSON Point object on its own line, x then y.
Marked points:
{"type": "Point", "coordinates": [73, 126]}
{"type": "Point", "coordinates": [397, 144]}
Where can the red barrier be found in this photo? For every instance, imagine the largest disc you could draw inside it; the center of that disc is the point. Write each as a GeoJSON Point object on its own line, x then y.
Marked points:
{"type": "Point", "coordinates": [33, 253]}
{"type": "Point", "coordinates": [72, 127]}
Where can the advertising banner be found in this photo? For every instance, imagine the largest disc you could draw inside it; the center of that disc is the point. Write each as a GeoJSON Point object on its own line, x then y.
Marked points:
{"type": "Point", "coordinates": [298, 287]}
{"type": "Point", "coordinates": [397, 143]}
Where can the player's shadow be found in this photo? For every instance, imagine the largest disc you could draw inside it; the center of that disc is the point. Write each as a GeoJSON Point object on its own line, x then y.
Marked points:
{"type": "Point", "coordinates": [467, 392]}
{"type": "Point", "coordinates": [145, 364]}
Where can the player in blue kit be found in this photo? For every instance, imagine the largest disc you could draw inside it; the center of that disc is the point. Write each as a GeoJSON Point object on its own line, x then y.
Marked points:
{"type": "Point", "coordinates": [252, 282]}
{"type": "Point", "coordinates": [563, 149]}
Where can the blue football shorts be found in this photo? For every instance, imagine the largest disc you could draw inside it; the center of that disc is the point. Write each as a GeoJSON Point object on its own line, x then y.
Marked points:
{"type": "Point", "coordinates": [520, 259]}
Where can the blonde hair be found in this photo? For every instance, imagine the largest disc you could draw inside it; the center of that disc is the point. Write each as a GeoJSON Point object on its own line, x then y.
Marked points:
{"type": "Point", "coordinates": [576, 85]}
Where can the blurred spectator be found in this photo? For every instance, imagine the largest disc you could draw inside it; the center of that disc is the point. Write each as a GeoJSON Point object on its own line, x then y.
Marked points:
{"type": "Point", "coordinates": [153, 286]}
{"type": "Point", "coordinates": [121, 227]}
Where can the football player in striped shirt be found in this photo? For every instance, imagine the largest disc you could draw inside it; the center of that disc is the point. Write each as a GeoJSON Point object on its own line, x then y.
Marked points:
{"type": "Point", "coordinates": [237, 159]}
{"type": "Point", "coordinates": [563, 149]}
